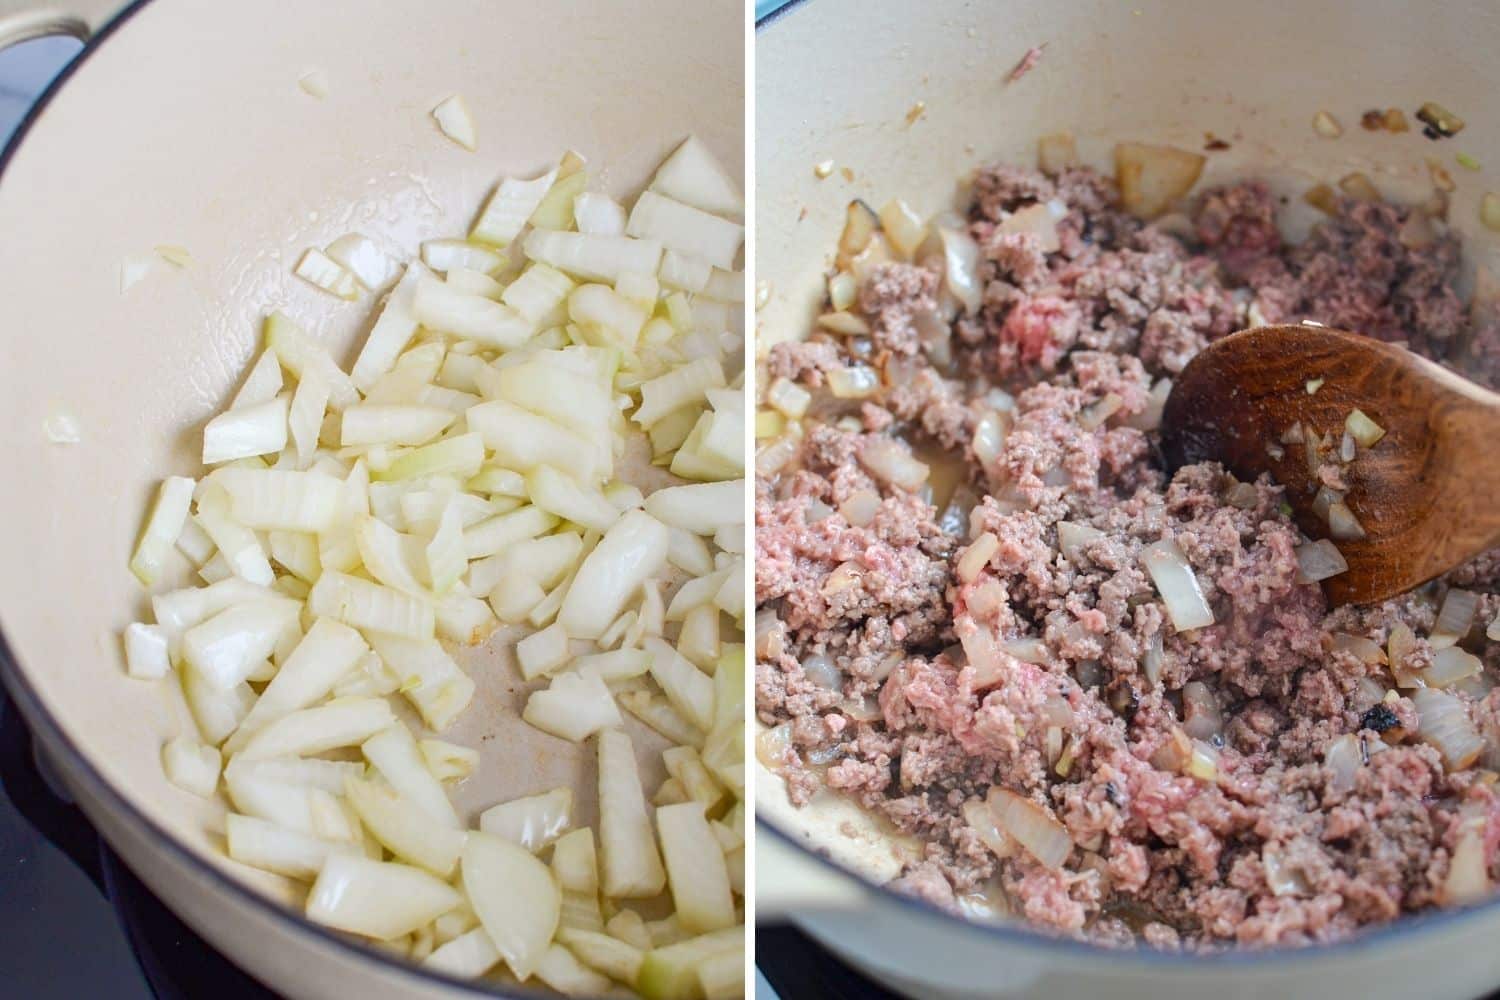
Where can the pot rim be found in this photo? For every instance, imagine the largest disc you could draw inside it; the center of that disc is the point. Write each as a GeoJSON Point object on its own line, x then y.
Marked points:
{"type": "Point", "coordinates": [40, 718]}
{"type": "Point", "coordinates": [770, 13]}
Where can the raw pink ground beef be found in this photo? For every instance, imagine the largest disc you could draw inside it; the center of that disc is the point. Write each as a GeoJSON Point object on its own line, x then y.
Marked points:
{"type": "Point", "coordinates": [914, 692]}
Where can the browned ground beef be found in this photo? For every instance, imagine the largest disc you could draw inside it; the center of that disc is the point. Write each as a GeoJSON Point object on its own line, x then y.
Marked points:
{"type": "Point", "coordinates": [920, 693]}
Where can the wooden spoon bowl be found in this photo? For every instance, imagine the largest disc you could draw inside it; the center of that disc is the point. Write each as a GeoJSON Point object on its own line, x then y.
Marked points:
{"type": "Point", "coordinates": [1427, 493]}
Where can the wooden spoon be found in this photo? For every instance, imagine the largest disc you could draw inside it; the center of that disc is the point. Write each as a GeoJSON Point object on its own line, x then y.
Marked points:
{"type": "Point", "coordinates": [1427, 494]}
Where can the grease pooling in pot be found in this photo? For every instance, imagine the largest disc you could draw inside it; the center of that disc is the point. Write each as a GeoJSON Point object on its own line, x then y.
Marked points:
{"type": "Point", "coordinates": [1109, 691]}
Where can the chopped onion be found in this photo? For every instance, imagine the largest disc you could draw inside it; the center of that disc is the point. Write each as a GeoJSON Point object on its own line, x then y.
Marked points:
{"type": "Point", "coordinates": [1358, 186]}
{"type": "Point", "coordinates": [1342, 524]}
{"type": "Point", "coordinates": [376, 899]}
{"type": "Point", "coordinates": [453, 117]}
{"type": "Point", "coordinates": [860, 508]}
{"type": "Point", "coordinates": [260, 429]}
{"type": "Point", "coordinates": [1152, 177]}
{"type": "Point", "coordinates": [1450, 666]}
{"type": "Point", "coordinates": [976, 557]}
{"type": "Point", "coordinates": [892, 461]}
{"type": "Point", "coordinates": [1032, 826]}
{"type": "Point", "coordinates": [692, 175]}
{"type": "Point", "coordinates": [1365, 431]}
{"type": "Point", "coordinates": [598, 214]}
{"type": "Point", "coordinates": [1282, 879]}
{"type": "Point", "coordinates": [1343, 760]}
{"type": "Point", "coordinates": [1454, 618]}
{"type": "Point", "coordinates": [1318, 561]}
{"type": "Point", "coordinates": [1177, 584]}
{"type": "Point", "coordinates": [961, 267]}
{"type": "Point", "coordinates": [1035, 220]}
{"type": "Point", "coordinates": [1468, 879]}
{"type": "Point", "coordinates": [1200, 708]}
{"type": "Point", "coordinates": [359, 255]}
{"type": "Point", "coordinates": [1400, 645]}
{"type": "Point", "coordinates": [1151, 660]}
{"type": "Point", "coordinates": [168, 517]}
{"type": "Point", "coordinates": [903, 228]}
{"type": "Point", "coordinates": [982, 820]}
{"type": "Point", "coordinates": [324, 272]}
{"type": "Point", "coordinates": [1443, 722]}
{"type": "Point", "coordinates": [1056, 152]}
{"type": "Point", "coordinates": [821, 671]}
{"type": "Point", "coordinates": [1364, 648]}
{"type": "Point", "coordinates": [686, 229]}
{"type": "Point", "coordinates": [1094, 415]}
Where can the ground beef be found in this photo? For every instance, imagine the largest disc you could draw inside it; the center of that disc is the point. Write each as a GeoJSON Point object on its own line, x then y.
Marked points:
{"type": "Point", "coordinates": [917, 651]}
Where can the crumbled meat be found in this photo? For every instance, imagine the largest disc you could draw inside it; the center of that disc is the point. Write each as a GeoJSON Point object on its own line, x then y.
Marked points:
{"type": "Point", "coordinates": [1045, 663]}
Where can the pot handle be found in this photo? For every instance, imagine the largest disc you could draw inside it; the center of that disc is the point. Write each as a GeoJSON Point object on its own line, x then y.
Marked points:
{"type": "Point", "coordinates": [23, 20]}
{"type": "Point", "coordinates": [789, 881]}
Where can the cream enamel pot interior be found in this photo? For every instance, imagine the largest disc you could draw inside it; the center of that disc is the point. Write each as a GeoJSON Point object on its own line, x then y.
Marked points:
{"type": "Point", "coordinates": [183, 123]}
{"type": "Point", "coordinates": [836, 79]}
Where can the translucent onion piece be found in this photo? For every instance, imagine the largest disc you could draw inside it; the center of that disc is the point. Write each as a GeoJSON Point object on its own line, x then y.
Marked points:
{"type": "Point", "coordinates": [448, 255]}
{"type": "Point", "coordinates": [692, 175]}
{"type": "Point", "coordinates": [573, 708]}
{"type": "Point", "coordinates": [1454, 618]}
{"type": "Point", "coordinates": [431, 680]}
{"type": "Point", "coordinates": [892, 461]}
{"type": "Point", "coordinates": [393, 330]}
{"type": "Point", "coordinates": [1342, 524]}
{"type": "Point", "coordinates": [1177, 584]}
{"type": "Point", "coordinates": [191, 766]}
{"type": "Point", "coordinates": [260, 429]}
{"type": "Point", "coordinates": [1468, 879]}
{"type": "Point", "coordinates": [822, 672]}
{"type": "Point", "coordinates": [377, 899]}
{"type": "Point", "coordinates": [406, 767]}
{"type": "Point", "coordinates": [853, 382]}
{"type": "Point", "coordinates": [631, 866]}
{"type": "Point", "coordinates": [1032, 826]}
{"type": "Point", "coordinates": [439, 306]}
{"type": "Point", "coordinates": [904, 229]}
{"type": "Point", "coordinates": [696, 871]}
{"type": "Point", "coordinates": [1151, 661]}
{"type": "Point", "coordinates": [1443, 722]}
{"type": "Point", "coordinates": [1318, 561]}
{"type": "Point", "coordinates": [1343, 760]}
{"type": "Point", "coordinates": [319, 269]}
{"type": "Point", "coordinates": [1363, 429]}
{"type": "Point", "coordinates": [593, 257]}
{"type": "Point", "coordinates": [404, 830]}
{"type": "Point", "coordinates": [981, 818]}
{"type": "Point", "coordinates": [686, 229]}
{"type": "Point", "coordinates": [1151, 178]}
{"type": "Point", "coordinates": [860, 508]}
{"type": "Point", "coordinates": [961, 267]}
{"type": "Point", "coordinates": [1073, 540]}
{"type": "Point", "coordinates": [168, 516]}
{"type": "Point", "coordinates": [1056, 152]}
{"type": "Point", "coordinates": [1451, 665]}
{"type": "Point", "coordinates": [632, 551]}
{"type": "Point", "coordinates": [453, 117]}
{"type": "Point", "coordinates": [1200, 707]}
{"type": "Point", "coordinates": [598, 214]}
{"type": "Point", "coordinates": [371, 266]}
{"type": "Point", "coordinates": [1367, 650]}
{"type": "Point", "coordinates": [534, 821]}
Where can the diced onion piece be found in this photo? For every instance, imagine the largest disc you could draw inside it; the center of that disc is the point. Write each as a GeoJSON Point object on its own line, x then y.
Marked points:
{"type": "Point", "coordinates": [403, 829]}
{"type": "Point", "coordinates": [788, 397]}
{"type": "Point", "coordinates": [273, 848]}
{"type": "Point", "coordinates": [439, 306]}
{"type": "Point", "coordinates": [305, 417]}
{"type": "Point", "coordinates": [1151, 660]}
{"type": "Point", "coordinates": [506, 212]}
{"type": "Point", "coordinates": [319, 269]}
{"type": "Point", "coordinates": [299, 353]}
{"type": "Point", "coordinates": [632, 868]}
{"type": "Point", "coordinates": [1151, 178]}
{"type": "Point", "coordinates": [165, 524]}
{"type": "Point", "coordinates": [262, 384]}
{"type": "Point", "coordinates": [1343, 760]}
{"type": "Point", "coordinates": [227, 647]}
{"type": "Point", "coordinates": [146, 651]}
{"type": "Point", "coordinates": [688, 688]}
{"type": "Point", "coordinates": [977, 556]}
{"type": "Point", "coordinates": [1035, 220]}
{"type": "Point", "coordinates": [1362, 428]}
{"type": "Point", "coordinates": [598, 214]}
{"type": "Point", "coordinates": [1366, 649]}
{"type": "Point", "coordinates": [405, 767]}
{"type": "Point", "coordinates": [431, 680]}
{"type": "Point", "coordinates": [1451, 665]}
{"type": "Point", "coordinates": [982, 820]}
{"type": "Point", "coordinates": [903, 228]}
{"type": "Point", "coordinates": [632, 551]}
{"type": "Point", "coordinates": [1177, 584]}
{"type": "Point", "coordinates": [1056, 152]}
{"type": "Point", "coordinates": [260, 429]}
{"type": "Point", "coordinates": [468, 956]}
{"type": "Point", "coordinates": [314, 730]}
{"type": "Point", "coordinates": [191, 766]}
{"type": "Point", "coordinates": [446, 255]}
{"type": "Point", "coordinates": [1443, 722]}
{"type": "Point", "coordinates": [534, 821]}
{"type": "Point", "coordinates": [1318, 561]}
{"type": "Point", "coordinates": [1032, 826]}
{"type": "Point", "coordinates": [860, 508]}
{"type": "Point", "coordinates": [453, 117]}
{"type": "Point", "coordinates": [892, 461]}
{"type": "Point", "coordinates": [692, 175]}
{"type": "Point", "coordinates": [1326, 125]}
{"type": "Point", "coordinates": [274, 499]}
{"type": "Point", "coordinates": [559, 969]}
{"type": "Point", "coordinates": [1454, 618]}
{"type": "Point", "coordinates": [538, 292]}
{"type": "Point", "coordinates": [521, 441]}
{"type": "Point", "coordinates": [377, 899]}
{"type": "Point", "coordinates": [961, 267]}
{"type": "Point", "coordinates": [358, 254]}
{"type": "Point", "coordinates": [593, 257]}
{"type": "Point", "coordinates": [700, 508]}
{"type": "Point", "coordinates": [322, 658]}
{"type": "Point", "coordinates": [392, 424]}
{"type": "Point", "coordinates": [1468, 879]}
{"type": "Point", "coordinates": [1342, 524]}
{"type": "Point", "coordinates": [853, 382]}
{"type": "Point", "coordinates": [1202, 719]}
{"type": "Point", "coordinates": [1358, 186]}
{"type": "Point", "coordinates": [671, 970]}
{"type": "Point", "coordinates": [696, 871]}
{"type": "Point", "coordinates": [686, 229]}
{"type": "Point", "coordinates": [1094, 415]}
